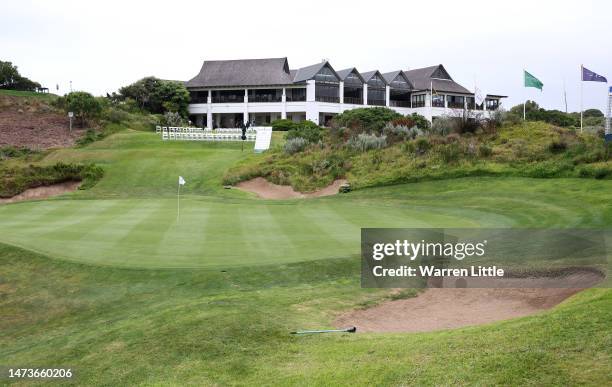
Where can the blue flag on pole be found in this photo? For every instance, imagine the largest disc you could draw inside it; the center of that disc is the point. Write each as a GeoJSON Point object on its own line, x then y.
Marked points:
{"type": "Point", "coordinates": [589, 76]}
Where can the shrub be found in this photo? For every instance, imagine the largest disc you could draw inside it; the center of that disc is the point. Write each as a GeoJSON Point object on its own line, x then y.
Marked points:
{"type": "Point", "coordinates": [173, 119]}
{"type": "Point", "coordinates": [307, 130]}
{"type": "Point", "coordinates": [8, 152]}
{"type": "Point", "coordinates": [116, 115]}
{"type": "Point", "coordinates": [364, 142]}
{"type": "Point", "coordinates": [283, 125]}
{"type": "Point", "coordinates": [450, 153]}
{"type": "Point", "coordinates": [295, 145]}
{"type": "Point", "coordinates": [444, 125]}
{"type": "Point", "coordinates": [83, 105]}
{"type": "Point", "coordinates": [422, 145]}
{"type": "Point", "coordinates": [402, 132]}
{"type": "Point", "coordinates": [557, 146]}
{"type": "Point", "coordinates": [368, 119]}
{"type": "Point", "coordinates": [484, 150]}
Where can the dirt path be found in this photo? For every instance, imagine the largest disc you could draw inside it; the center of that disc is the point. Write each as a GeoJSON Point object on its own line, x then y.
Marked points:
{"type": "Point", "coordinates": [43, 192]}
{"type": "Point", "coordinates": [444, 308]}
{"type": "Point", "coordinates": [266, 190]}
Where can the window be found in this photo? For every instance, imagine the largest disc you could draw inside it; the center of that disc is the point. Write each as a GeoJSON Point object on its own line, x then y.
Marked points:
{"type": "Point", "coordinates": [456, 102]}
{"type": "Point", "coordinates": [377, 91]}
{"type": "Point", "coordinates": [492, 104]}
{"type": "Point", "coordinates": [437, 100]}
{"type": "Point", "coordinates": [471, 104]}
{"type": "Point", "coordinates": [198, 96]}
{"type": "Point", "coordinates": [353, 89]}
{"type": "Point", "coordinates": [327, 86]}
{"type": "Point", "coordinates": [295, 95]}
{"type": "Point", "coordinates": [228, 96]}
{"type": "Point", "coordinates": [400, 83]}
{"type": "Point", "coordinates": [418, 100]}
{"type": "Point", "coordinates": [265, 95]}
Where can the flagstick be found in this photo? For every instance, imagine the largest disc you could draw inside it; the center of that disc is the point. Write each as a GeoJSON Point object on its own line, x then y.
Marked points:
{"type": "Point", "coordinates": [524, 103]}
{"type": "Point", "coordinates": [178, 202]}
{"type": "Point", "coordinates": [581, 92]}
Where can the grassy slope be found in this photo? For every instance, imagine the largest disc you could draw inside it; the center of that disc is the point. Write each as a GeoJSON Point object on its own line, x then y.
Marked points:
{"type": "Point", "coordinates": [28, 94]}
{"type": "Point", "coordinates": [124, 326]}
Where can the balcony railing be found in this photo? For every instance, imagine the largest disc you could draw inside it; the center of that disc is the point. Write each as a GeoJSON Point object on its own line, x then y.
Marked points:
{"type": "Point", "coordinates": [227, 100]}
{"type": "Point", "coordinates": [376, 102]}
{"type": "Point", "coordinates": [264, 98]}
{"type": "Point", "coordinates": [456, 105]}
{"type": "Point", "coordinates": [438, 104]}
{"type": "Point", "coordinates": [353, 100]}
{"type": "Point", "coordinates": [399, 103]}
{"type": "Point", "coordinates": [322, 98]}
{"type": "Point", "coordinates": [418, 104]}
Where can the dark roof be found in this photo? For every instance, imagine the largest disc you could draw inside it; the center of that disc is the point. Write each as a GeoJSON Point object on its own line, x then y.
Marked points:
{"type": "Point", "coordinates": [308, 72]}
{"type": "Point", "coordinates": [243, 72]}
{"type": "Point", "coordinates": [389, 77]}
{"type": "Point", "coordinates": [423, 78]}
{"type": "Point", "coordinates": [344, 73]}
{"type": "Point", "coordinates": [369, 74]}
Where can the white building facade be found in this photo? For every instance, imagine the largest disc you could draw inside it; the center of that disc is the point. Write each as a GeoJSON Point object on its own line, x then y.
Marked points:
{"type": "Point", "coordinates": [228, 93]}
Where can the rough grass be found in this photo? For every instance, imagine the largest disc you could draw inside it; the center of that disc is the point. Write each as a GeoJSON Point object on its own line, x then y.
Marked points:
{"type": "Point", "coordinates": [531, 149]}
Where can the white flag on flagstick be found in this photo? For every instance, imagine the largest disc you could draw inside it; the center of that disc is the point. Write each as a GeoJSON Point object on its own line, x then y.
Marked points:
{"type": "Point", "coordinates": [181, 180]}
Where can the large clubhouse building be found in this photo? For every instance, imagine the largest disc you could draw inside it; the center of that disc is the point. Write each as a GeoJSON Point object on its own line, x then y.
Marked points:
{"type": "Point", "coordinates": [228, 92]}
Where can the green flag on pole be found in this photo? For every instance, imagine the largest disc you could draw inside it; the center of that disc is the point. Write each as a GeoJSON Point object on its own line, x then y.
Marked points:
{"type": "Point", "coordinates": [531, 81]}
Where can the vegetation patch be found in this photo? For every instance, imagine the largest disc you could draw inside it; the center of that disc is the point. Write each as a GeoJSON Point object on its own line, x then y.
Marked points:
{"type": "Point", "coordinates": [379, 148]}
{"type": "Point", "coordinates": [14, 180]}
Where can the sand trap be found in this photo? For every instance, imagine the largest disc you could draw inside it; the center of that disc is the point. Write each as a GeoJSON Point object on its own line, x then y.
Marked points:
{"type": "Point", "coordinates": [43, 192]}
{"type": "Point", "coordinates": [444, 308]}
{"type": "Point", "coordinates": [266, 190]}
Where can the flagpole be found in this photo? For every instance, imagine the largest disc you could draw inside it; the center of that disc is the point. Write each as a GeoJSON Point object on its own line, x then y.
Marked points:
{"type": "Point", "coordinates": [564, 96]}
{"type": "Point", "coordinates": [524, 102]}
{"type": "Point", "coordinates": [178, 202]}
{"type": "Point", "coordinates": [581, 93]}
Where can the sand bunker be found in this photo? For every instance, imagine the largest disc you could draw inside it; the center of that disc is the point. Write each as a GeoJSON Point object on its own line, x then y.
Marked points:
{"type": "Point", "coordinates": [43, 192]}
{"type": "Point", "coordinates": [266, 190]}
{"type": "Point", "coordinates": [444, 308]}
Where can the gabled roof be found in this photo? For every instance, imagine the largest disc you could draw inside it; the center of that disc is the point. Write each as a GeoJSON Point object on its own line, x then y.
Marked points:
{"type": "Point", "coordinates": [345, 73]}
{"type": "Point", "coordinates": [243, 72]}
{"type": "Point", "coordinates": [390, 77]}
{"type": "Point", "coordinates": [308, 72]}
{"type": "Point", "coordinates": [423, 78]}
{"type": "Point", "coordinates": [368, 75]}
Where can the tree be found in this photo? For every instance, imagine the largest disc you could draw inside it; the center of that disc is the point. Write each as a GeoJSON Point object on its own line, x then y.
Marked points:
{"type": "Point", "coordinates": [158, 96]}
{"type": "Point", "coordinates": [83, 105]}
{"type": "Point", "coordinates": [592, 113]}
{"type": "Point", "coordinates": [11, 79]}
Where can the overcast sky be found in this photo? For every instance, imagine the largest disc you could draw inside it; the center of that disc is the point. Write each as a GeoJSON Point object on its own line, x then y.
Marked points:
{"type": "Point", "coordinates": [102, 45]}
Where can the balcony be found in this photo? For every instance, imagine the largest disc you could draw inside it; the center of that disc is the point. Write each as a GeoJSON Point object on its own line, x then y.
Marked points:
{"type": "Point", "coordinates": [456, 105]}
{"type": "Point", "coordinates": [399, 103]}
{"type": "Point", "coordinates": [376, 102]}
{"type": "Point", "coordinates": [439, 104]}
{"type": "Point", "coordinates": [323, 98]}
{"type": "Point", "coordinates": [418, 104]}
{"type": "Point", "coordinates": [353, 100]}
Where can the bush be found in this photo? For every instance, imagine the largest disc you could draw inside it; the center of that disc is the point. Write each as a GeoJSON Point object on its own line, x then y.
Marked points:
{"type": "Point", "coordinates": [283, 125]}
{"type": "Point", "coordinates": [557, 146]}
{"type": "Point", "coordinates": [84, 105]}
{"type": "Point", "coordinates": [307, 130]}
{"type": "Point", "coordinates": [484, 150]}
{"type": "Point", "coordinates": [116, 115]}
{"type": "Point", "coordinates": [422, 145]}
{"type": "Point", "coordinates": [157, 95]}
{"type": "Point", "coordinates": [368, 119]}
{"type": "Point", "coordinates": [173, 119]}
{"type": "Point", "coordinates": [442, 126]}
{"type": "Point", "coordinates": [364, 142]}
{"type": "Point", "coordinates": [295, 145]}
{"type": "Point", "coordinates": [402, 132]}
{"type": "Point", "coordinates": [8, 152]}
{"type": "Point", "coordinates": [450, 153]}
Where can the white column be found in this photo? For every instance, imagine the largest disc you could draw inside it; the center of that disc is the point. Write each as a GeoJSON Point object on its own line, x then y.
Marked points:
{"type": "Point", "coordinates": [341, 91]}
{"type": "Point", "coordinates": [387, 96]}
{"type": "Point", "coordinates": [365, 94]}
{"type": "Point", "coordinates": [312, 109]}
{"type": "Point", "coordinates": [310, 90]}
{"type": "Point", "coordinates": [209, 116]}
{"type": "Point", "coordinates": [445, 101]}
{"type": "Point", "coordinates": [284, 103]}
{"type": "Point", "coordinates": [428, 100]}
{"type": "Point", "coordinates": [245, 111]}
